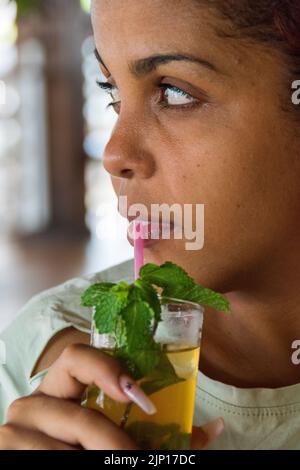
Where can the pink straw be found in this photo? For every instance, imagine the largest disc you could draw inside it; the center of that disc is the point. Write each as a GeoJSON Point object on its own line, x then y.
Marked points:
{"type": "Point", "coordinates": [138, 249]}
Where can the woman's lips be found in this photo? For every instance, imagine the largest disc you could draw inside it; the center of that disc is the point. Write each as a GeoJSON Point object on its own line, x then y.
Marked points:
{"type": "Point", "coordinates": [151, 232]}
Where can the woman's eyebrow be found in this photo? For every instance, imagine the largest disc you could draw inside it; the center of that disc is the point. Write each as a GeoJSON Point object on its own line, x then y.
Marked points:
{"type": "Point", "coordinates": [142, 67]}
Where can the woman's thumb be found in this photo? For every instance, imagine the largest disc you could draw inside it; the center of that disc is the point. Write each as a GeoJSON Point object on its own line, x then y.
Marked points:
{"type": "Point", "coordinates": [203, 435]}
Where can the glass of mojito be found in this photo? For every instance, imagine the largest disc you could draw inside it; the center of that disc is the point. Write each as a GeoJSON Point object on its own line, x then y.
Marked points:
{"type": "Point", "coordinates": [171, 383]}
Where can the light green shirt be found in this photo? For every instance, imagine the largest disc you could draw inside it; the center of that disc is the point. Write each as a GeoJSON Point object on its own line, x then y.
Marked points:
{"type": "Point", "coordinates": [254, 418]}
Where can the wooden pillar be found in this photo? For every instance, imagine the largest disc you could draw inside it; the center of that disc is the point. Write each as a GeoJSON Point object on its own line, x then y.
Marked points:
{"type": "Point", "coordinates": [62, 27]}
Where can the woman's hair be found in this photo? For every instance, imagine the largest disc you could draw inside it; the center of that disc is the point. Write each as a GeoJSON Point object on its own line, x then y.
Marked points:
{"type": "Point", "coordinates": [272, 22]}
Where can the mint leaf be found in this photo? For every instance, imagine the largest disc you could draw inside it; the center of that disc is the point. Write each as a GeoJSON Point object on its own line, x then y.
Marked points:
{"type": "Point", "coordinates": [162, 376]}
{"type": "Point", "coordinates": [121, 291]}
{"type": "Point", "coordinates": [140, 354]}
{"type": "Point", "coordinates": [148, 359]}
{"type": "Point", "coordinates": [93, 293]}
{"type": "Point", "coordinates": [167, 275]}
{"type": "Point", "coordinates": [106, 313]}
{"type": "Point", "coordinates": [128, 361]}
{"type": "Point", "coordinates": [108, 301]}
{"type": "Point", "coordinates": [204, 296]}
{"type": "Point", "coordinates": [150, 435]}
{"type": "Point", "coordinates": [177, 441]}
{"type": "Point", "coordinates": [143, 290]}
{"type": "Point", "coordinates": [178, 284]}
{"type": "Point", "coordinates": [140, 363]}
{"type": "Point", "coordinates": [138, 317]}
{"type": "Point", "coordinates": [149, 430]}
{"type": "Point", "coordinates": [120, 333]}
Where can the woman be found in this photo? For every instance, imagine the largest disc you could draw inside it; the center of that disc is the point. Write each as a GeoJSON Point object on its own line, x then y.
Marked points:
{"type": "Point", "coordinates": [216, 124]}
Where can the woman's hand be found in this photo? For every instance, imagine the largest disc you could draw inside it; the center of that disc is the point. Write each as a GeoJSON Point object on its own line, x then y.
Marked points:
{"type": "Point", "coordinates": [203, 436]}
{"type": "Point", "coordinates": [52, 417]}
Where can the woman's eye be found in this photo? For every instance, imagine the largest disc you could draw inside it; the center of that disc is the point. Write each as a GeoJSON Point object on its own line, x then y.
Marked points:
{"type": "Point", "coordinates": [174, 97]}
{"type": "Point", "coordinates": [111, 90]}
{"type": "Point", "coordinates": [177, 97]}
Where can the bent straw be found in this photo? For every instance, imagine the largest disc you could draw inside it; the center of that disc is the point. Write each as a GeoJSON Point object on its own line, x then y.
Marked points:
{"type": "Point", "coordinates": [138, 249]}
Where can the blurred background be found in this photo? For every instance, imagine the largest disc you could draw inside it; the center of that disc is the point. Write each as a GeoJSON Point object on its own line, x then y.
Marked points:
{"type": "Point", "coordinates": [53, 130]}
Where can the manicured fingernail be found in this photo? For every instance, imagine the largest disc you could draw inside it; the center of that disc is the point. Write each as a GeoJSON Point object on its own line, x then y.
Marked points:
{"type": "Point", "coordinates": [136, 394]}
{"type": "Point", "coordinates": [214, 428]}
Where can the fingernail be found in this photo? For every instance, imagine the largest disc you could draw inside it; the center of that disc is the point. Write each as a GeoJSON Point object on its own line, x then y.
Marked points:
{"type": "Point", "coordinates": [136, 394]}
{"type": "Point", "coordinates": [214, 428]}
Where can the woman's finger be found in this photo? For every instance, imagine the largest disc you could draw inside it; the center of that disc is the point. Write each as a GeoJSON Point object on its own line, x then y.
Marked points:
{"type": "Point", "coordinates": [65, 420]}
{"type": "Point", "coordinates": [18, 438]}
{"type": "Point", "coordinates": [80, 365]}
{"type": "Point", "coordinates": [202, 436]}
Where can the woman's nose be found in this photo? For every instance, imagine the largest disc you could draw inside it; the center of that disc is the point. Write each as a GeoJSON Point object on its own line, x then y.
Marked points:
{"type": "Point", "coordinates": [126, 157]}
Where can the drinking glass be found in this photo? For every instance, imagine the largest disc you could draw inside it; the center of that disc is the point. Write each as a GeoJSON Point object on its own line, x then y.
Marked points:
{"type": "Point", "coordinates": [170, 428]}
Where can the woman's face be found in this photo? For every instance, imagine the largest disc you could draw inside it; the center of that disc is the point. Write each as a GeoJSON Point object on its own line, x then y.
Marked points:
{"type": "Point", "coordinates": [221, 140]}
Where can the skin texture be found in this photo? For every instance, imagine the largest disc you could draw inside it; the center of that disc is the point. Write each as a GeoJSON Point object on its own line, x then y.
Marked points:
{"type": "Point", "coordinates": [237, 153]}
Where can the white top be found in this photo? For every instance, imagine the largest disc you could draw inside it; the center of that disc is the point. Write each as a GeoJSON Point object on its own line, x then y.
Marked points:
{"type": "Point", "coordinates": [254, 418]}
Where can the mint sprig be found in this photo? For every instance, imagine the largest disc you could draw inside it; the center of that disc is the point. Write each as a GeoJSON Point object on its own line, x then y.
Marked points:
{"type": "Point", "coordinates": [131, 313]}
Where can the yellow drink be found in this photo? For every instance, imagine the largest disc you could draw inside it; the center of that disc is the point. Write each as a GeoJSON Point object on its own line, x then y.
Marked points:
{"type": "Point", "coordinates": [171, 426]}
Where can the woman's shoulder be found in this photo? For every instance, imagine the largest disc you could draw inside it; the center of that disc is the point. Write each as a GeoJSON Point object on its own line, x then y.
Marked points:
{"type": "Point", "coordinates": [61, 304]}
